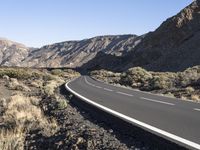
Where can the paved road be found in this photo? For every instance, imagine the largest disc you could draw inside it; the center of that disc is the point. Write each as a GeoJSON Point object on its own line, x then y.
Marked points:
{"type": "Point", "coordinates": [173, 119]}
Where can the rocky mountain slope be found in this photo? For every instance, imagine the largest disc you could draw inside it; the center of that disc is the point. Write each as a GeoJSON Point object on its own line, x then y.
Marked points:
{"type": "Point", "coordinates": [173, 46]}
{"type": "Point", "coordinates": [12, 53]}
{"type": "Point", "coordinates": [76, 53]}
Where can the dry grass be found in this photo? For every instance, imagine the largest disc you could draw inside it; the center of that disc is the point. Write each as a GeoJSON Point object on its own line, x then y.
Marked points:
{"type": "Point", "coordinates": [11, 140]}
{"type": "Point", "coordinates": [23, 113]}
{"type": "Point", "coordinates": [50, 86]}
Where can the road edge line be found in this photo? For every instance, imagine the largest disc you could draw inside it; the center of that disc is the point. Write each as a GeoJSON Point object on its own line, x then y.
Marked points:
{"type": "Point", "coordinates": [134, 121]}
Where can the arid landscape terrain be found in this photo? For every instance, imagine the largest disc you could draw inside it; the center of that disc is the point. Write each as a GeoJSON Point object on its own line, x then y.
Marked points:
{"type": "Point", "coordinates": [37, 112]}
{"type": "Point", "coordinates": [36, 115]}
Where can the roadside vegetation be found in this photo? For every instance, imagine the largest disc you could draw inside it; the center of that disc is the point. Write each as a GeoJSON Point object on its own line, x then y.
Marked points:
{"type": "Point", "coordinates": [23, 104]}
{"type": "Point", "coordinates": [35, 113]}
{"type": "Point", "coordinates": [184, 85]}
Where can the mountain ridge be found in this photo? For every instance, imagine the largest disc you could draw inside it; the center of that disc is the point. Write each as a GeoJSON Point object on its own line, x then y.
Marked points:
{"type": "Point", "coordinates": [76, 53]}
{"type": "Point", "coordinates": [174, 46]}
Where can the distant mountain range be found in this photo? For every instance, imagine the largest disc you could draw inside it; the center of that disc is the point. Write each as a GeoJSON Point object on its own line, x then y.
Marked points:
{"type": "Point", "coordinates": [12, 53]}
{"type": "Point", "coordinates": [65, 54]}
{"type": "Point", "coordinates": [76, 53]}
{"type": "Point", "coordinates": [173, 46]}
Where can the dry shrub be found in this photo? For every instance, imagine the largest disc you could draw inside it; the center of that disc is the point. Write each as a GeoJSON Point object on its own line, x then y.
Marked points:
{"type": "Point", "coordinates": [135, 77]}
{"type": "Point", "coordinates": [185, 83]}
{"type": "Point", "coordinates": [21, 113]}
{"type": "Point", "coordinates": [189, 77]}
{"type": "Point", "coordinates": [107, 76]}
{"type": "Point", "coordinates": [50, 86]}
{"type": "Point", "coordinates": [37, 83]}
{"type": "Point", "coordinates": [20, 73]}
{"type": "Point", "coordinates": [14, 84]}
{"type": "Point", "coordinates": [161, 82]}
{"type": "Point", "coordinates": [20, 116]}
{"type": "Point", "coordinates": [11, 140]}
{"type": "Point", "coordinates": [69, 73]}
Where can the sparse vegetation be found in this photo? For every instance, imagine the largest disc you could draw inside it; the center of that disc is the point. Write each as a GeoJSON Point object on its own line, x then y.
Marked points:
{"type": "Point", "coordinates": [107, 76]}
{"type": "Point", "coordinates": [19, 73]}
{"type": "Point", "coordinates": [25, 110]}
{"type": "Point", "coordinates": [181, 84]}
{"type": "Point", "coordinates": [14, 84]}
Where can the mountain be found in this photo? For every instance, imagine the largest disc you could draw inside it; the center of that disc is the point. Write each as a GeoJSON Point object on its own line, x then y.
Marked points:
{"type": "Point", "coordinates": [12, 53]}
{"type": "Point", "coordinates": [76, 53]}
{"type": "Point", "coordinates": [174, 46]}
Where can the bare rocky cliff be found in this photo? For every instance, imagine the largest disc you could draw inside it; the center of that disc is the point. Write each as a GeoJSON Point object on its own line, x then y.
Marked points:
{"type": "Point", "coordinates": [12, 53]}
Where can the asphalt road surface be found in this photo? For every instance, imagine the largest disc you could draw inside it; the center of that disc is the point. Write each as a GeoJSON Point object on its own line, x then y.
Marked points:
{"type": "Point", "coordinates": [173, 119]}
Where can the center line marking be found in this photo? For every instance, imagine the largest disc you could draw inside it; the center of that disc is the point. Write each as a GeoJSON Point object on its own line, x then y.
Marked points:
{"type": "Point", "coordinates": [108, 89]}
{"type": "Point", "coordinates": [98, 87]}
{"type": "Point", "coordinates": [197, 109]}
{"type": "Point", "coordinates": [157, 101]}
{"type": "Point", "coordinates": [124, 93]}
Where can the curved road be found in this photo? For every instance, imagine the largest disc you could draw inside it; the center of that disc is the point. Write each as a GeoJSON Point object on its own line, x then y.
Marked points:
{"type": "Point", "coordinates": [172, 119]}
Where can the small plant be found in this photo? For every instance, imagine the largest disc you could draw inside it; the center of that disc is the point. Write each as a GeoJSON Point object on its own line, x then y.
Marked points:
{"type": "Point", "coordinates": [61, 104]}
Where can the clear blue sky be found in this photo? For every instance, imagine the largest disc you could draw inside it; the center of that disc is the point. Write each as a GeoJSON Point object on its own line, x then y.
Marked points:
{"type": "Point", "coordinates": [39, 22]}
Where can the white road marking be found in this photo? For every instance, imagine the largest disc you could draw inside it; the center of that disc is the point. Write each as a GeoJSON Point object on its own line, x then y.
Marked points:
{"type": "Point", "coordinates": [197, 109]}
{"type": "Point", "coordinates": [108, 89]}
{"type": "Point", "coordinates": [157, 101]}
{"type": "Point", "coordinates": [98, 87]}
{"type": "Point", "coordinates": [91, 83]}
{"type": "Point", "coordinates": [124, 93]}
{"type": "Point", "coordinates": [88, 82]}
{"type": "Point", "coordinates": [137, 122]}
